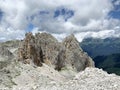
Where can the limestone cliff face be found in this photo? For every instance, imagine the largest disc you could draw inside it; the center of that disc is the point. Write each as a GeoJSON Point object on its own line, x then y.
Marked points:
{"type": "Point", "coordinates": [30, 51]}
{"type": "Point", "coordinates": [75, 55]}
{"type": "Point", "coordinates": [44, 48]}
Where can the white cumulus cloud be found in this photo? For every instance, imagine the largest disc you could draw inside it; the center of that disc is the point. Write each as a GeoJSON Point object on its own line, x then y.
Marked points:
{"type": "Point", "coordinates": [90, 16]}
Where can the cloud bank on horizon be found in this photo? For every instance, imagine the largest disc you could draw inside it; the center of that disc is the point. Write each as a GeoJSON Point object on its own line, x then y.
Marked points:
{"type": "Point", "coordinates": [84, 18]}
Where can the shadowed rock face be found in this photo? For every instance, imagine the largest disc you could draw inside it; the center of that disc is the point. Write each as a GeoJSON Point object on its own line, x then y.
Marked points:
{"type": "Point", "coordinates": [30, 51]}
{"type": "Point", "coordinates": [44, 48]}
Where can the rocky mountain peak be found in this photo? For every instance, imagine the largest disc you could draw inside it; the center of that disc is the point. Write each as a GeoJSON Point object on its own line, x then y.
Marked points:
{"type": "Point", "coordinates": [44, 48]}
{"type": "Point", "coordinates": [71, 42]}
{"type": "Point", "coordinates": [45, 37]}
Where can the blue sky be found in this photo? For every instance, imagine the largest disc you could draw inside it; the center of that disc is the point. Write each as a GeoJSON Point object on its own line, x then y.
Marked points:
{"type": "Point", "coordinates": [84, 18]}
{"type": "Point", "coordinates": [1, 14]}
{"type": "Point", "coordinates": [115, 13]}
{"type": "Point", "coordinates": [61, 12]}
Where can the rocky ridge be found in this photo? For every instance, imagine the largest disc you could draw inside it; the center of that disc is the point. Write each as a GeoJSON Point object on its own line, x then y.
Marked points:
{"type": "Point", "coordinates": [44, 48]}
{"type": "Point", "coordinates": [51, 65]}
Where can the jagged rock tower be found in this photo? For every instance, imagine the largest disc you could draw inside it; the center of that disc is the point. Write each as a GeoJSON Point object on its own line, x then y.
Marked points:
{"type": "Point", "coordinates": [44, 48]}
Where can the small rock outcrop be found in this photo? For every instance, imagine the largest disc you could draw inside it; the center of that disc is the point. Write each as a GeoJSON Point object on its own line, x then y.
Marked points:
{"type": "Point", "coordinates": [5, 52]}
{"type": "Point", "coordinates": [5, 57]}
{"type": "Point", "coordinates": [44, 48]}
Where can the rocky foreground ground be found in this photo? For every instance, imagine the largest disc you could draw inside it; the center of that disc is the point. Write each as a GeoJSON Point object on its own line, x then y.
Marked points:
{"type": "Point", "coordinates": [19, 76]}
{"type": "Point", "coordinates": [40, 62]}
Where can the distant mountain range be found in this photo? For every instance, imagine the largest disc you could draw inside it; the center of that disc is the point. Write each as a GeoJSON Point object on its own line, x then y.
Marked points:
{"type": "Point", "coordinates": [97, 47]}
{"type": "Point", "coordinates": [105, 53]}
{"type": "Point", "coordinates": [110, 63]}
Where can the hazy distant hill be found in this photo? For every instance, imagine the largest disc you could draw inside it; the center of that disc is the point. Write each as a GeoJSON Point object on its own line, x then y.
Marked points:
{"type": "Point", "coordinates": [110, 63]}
{"type": "Point", "coordinates": [105, 53]}
{"type": "Point", "coordinates": [97, 47]}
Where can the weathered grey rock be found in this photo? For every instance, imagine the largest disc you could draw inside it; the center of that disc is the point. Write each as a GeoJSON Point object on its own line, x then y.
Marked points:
{"type": "Point", "coordinates": [76, 57]}
{"type": "Point", "coordinates": [26, 77]}
{"type": "Point", "coordinates": [30, 51]}
{"type": "Point", "coordinates": [44, 48]}
{"type": "Point", "coordinates": [5, 52]}
{"type": "Point", "coordinates": [12, 46]}
{"type": "Point", "coordinates": [5, 57]}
